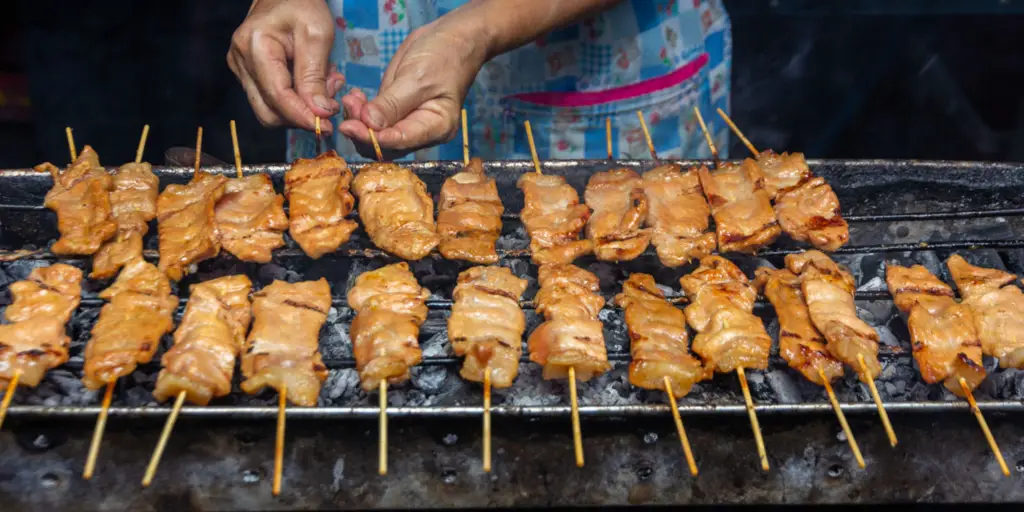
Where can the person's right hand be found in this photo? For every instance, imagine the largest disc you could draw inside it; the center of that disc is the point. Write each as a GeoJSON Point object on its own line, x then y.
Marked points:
{"type": "Point", "coordinates": [277, 32]}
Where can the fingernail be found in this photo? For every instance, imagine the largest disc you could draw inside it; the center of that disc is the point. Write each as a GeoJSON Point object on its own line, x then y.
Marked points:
{"type": "Point", "coordinates": [377, 118]}
{"type": "Point", "coordinates": [321, 101]}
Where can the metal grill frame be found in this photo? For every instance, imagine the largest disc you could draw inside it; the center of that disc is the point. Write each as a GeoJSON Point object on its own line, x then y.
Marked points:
{"type": "Point", "coordinates": [927, 172]}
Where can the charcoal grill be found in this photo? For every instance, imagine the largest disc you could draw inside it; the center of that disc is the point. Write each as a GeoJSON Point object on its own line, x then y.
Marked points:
{"type": "Point", "coordinates": [901, 211]}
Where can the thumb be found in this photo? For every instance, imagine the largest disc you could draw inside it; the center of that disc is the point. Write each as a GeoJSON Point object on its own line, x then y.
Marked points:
{"type": "Point", "coordinates": [403, 95]}
{"type": "Point", "coordinates": [312, 50]}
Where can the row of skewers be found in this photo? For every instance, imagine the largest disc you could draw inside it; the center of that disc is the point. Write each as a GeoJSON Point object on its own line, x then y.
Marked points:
{"type": "Point", "coordinates": [390, 306]}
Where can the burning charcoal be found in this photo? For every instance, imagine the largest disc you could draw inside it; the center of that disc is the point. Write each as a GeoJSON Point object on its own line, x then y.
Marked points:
{"type": "Point", "coordinates": [784, 386]}
{"type": "Point", "coordinates": [616, 335]}
{"type": "Point", "coordinates": [886, 337]}
{"type": "Point", "coordinates": [340, 387]}
{"type": "Point", "coordinates": [271, 271]}
{"type": "Point", "coordinates": [429, 378]}
{"type": "Point", "coordinates": [335, 342]}
{"type": "Point", "coordinates": [437, 345]}
{"type": "Point", "coordinates": [532, 390]}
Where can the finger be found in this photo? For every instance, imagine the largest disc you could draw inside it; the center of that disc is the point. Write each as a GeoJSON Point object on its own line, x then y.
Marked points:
{"type": "Point", "coordinates": [355, 130]}
{"type": "Point", "coordinates": [263, 112]}
{"type": "Point", "coordinates": [353, 105]}
{"type": "Point", "coordinates": [420, 129]}
{"type": "Point", "coordinates": [270, 71]}
{"type": "Point", "coordinates": [335, 81]}
{"type": "Point", "coordinates": [395, 102]}
{"type": "Point", "coordinates": [312, 49]}
{"type": "Point", "coordinates": [357, 92]}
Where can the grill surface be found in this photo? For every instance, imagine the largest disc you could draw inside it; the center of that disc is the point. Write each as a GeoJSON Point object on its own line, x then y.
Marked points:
{"type": "Point", "coordinates": [910, 212]}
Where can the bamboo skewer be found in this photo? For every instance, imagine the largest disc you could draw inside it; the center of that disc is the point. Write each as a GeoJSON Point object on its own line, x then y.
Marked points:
{"type": "Point", "coordinates": [842, 419]}
{"type": "Point", "coordinates": [687, 450]}
{"type": "Point", "coordinates": [754, 424]}
{"type": "Point", "coordinates": [465, 139]}
{"type": "Point", "coordinates": [707, 137]}
{"type": "Point", "coordinates": [142, 144]}
{"type": "Point", "coordinates": [577, 437]}
{"type": "Point", "coordinates": [234, 145]}
{"type": "Point", "coordinates": [12, 386]}
{"type": "Point", "coordinates": [162, 443]}
{"type": "Point", "coordinates": [97, 433]}
{"type": "Point", "coordinates": [199, 151]}
{"type": "Point", "coordinates": [71, 144]}
{"type": "Point", "coordinates": [383, 428]}
{"type": "Point", "coordinates": [878, 400]}
{"type": "Point", "coordinates": [984, 427]}
{"type": "Point", "coordinates": [487, 420]}
{"type": "Point", "coordinates": [376, 147]}
{"type": "Point", "coordinates": [608, 136]}
{"type": "Point", "coordinates": [647, 134]}
{"type": "Point", "coordinates": [316, 123]}
{"type": "Point", "coordinates": [736, 130]}
{"type": "Point", "coordinates": [533, 148]}
{"type": "Point", "coordinates": [282, 401]}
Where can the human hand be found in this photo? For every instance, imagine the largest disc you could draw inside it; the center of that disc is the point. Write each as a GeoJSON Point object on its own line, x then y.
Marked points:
{"type": "Point", "coordinates": [422, 91]}
{"type": "Point", "coordinates": [277, 32]}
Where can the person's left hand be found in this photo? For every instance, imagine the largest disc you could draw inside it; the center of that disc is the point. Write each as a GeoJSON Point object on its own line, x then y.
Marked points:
{"type": "Point", "coordinates": [422, 91]}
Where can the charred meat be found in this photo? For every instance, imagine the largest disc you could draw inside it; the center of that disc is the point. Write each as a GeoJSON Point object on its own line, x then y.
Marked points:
{"type": "Point", "coordinates": [469, 216]}
{"type": "Point", "coordinates": [486, 325]}
{"type": "Point", "coordinates": [318, 202]}
{"type": "Point", "coordinates": [619, 207]}
{"type": "Point", "coordinates": [133, 203]}
{"type": "Point", "coordinates": [806, 206]}
{"type": "Point", "coordinates": [250, 218]}
{"type": "Point", "coordinates": [998, 307]}
{"type": "Point", "coordinates": [187, 226]}
{"type": "Point", "coordinates": [81, 199]}
{"type": "Point", "coordinates": [553, 217]}
{"type": "Point", "coordinates": [744, 219]}
{"type": "Point", "coordinates": [396, 210]}
{"type": "Point", "coordinates": [677, 215]}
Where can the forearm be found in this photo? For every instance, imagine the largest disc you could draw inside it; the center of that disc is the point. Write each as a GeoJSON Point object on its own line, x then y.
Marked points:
{"type": "Point", "coordinates": [503, 25]}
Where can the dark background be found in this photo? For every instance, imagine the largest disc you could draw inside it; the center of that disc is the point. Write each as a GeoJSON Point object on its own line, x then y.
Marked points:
{"type": "Point", "coordinates": [923, 79]}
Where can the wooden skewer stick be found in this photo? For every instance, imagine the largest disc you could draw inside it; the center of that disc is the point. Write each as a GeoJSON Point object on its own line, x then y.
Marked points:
{"type": "Point", "coordinates": [234, 145]}
{"type": "Point", "coordinates": [282, 401]}
{"type": "Point", "coordinates": [736, 130]}
{"type": "Point", "coordinates": [487, 420]}
{"type": "Point", "coordinates": [687, 450]}
{"type": "Point", "coordinates": [376, 147]}
{"type": "Point", "coordinates": [71, 144]}
{"type": "Point", "coordinates": [199, 151]}
{"type": "Point", "coordinates": [984, 427]}
{"type": "Point", "coordinates": [97, 434]}
{"type": "Point", "coordinates": [577, 437]}
{"type": "Point", "coordinates": [707, 137]}
{"type": "Point", "coordinates": [608, 136]}
{"type": "Point", "coordinates": [142, 144]}
{"type": "Point", "coordinates": [754, 424]}
{"type": "Point", "coordinates": [12, 386]}
{"type": "Point", "coordinates": [533, 148]}
{"type": "Point", "coordinates": [383, 427]}
{"type": "Point", "coordinates": [647, 134]}
{"type": "Point", "coordinates": [842, 419]}
{"type": "Point", "coordinates": [316, 124]}
{"type": "Point", "coordinates": [164, 436]}
{"type": "Point", "coordinates": [878, 401]}
{"type": "Point", "coordinates": [465, 139]}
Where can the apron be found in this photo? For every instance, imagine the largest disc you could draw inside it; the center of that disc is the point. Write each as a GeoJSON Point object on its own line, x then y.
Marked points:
{"type": "Point", "coordinates": [662, 57]}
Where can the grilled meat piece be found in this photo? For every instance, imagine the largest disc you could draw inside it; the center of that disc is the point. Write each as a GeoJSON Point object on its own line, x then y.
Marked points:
{"type": "Point", "coordinates": [729, 335]}
{"type": "Point", "coordinates": [783, 172]}
{"type": "Point", "coordinates": [283, 349]}
{"type": "Point", "coordinates": [130, 326]}
{"type": "Point", "coordinates": [572, 335]}
{"type": "Point", "coordinates": [677, 215]}
{"type": "Point", "coordinates": [486, 324]}
{"type": "Point", "coordinates": [619, 210]}
{"type": "Point", "coordinates": [828, 290]}
{"type": "Point", "coordinates": [942, 334]}
{"type": "Point", "coordinates": [35, 340]}
{"type": "Point", "coordinates": [250, 218]}
{"type": "Point", "coordinates": [806, 206]}
{"type": "Point", "coordinates": [187, 227]}
{"type": "Point", "coordinates": [469, 216]}
{"type": "Point", "coordinates": [744, 219]}
{"type": "Point", "coordinates": [396, 210]}
{"type": "Point", "coordinates": [658, 341]}
{"type": "Point", "coordinates": [208, 340]}
{"type": "Point", "coordinates": [80, 198]}
{"type": "Point", "coordinates": [553, 217]}
{"type": "Point", "coordinates": [133, 203]}
{"type": "Point", "coordinates": [319, 200]}
{"type": "Point", "coordinates": [998, 307]}
{"type": "Point", "coordinates": [800, 343]}
{"type": "Point", "coordinates": [390, 307]}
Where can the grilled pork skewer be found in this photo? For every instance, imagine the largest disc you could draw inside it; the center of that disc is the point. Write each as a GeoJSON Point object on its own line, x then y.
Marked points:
{"type": "Point", "coordinates": [207, 342]}
{"type": "Point", "coordinates": [677, 215]}
{"type": "Point", "coordinates": [80, 198]}
{"type": "Point", "coordinates": [828, 290]}
{"type": "Point", "coordinates": [390, 307]}
{"type": "Point", "coordinates": [319, 200]}
{"type": "Point", "coordinates": [396, 210]}
{"type": "Point", "coordinates": [659, 345]}
{"type": "Point", "coordinates": [942, 332]}
{"type": "Point", "coordinates": [744, 219]}
{"type": "Point", "coordinates": [283, 349]}
{"type": "Point", "coordinates": [619, 210]}
{"type": "Point", "coordinates": [486, 325]}
{"type": "Point", "coordinates": [800, 343]}
{"type": "Point", "coordinates": [139, 312]}
{"type": "Point", "coordinates": [469, 216]}
{"type": "Point", "coordinates": [34, 341]}
{"type": "Point", "coordinates": [133, 199]}
{"type": "Point", "coordinates": [553, 217]}
{"type": "Point", "coordinates": [250, 218]}
{"type": "Point", "coordinates": [998, 307]}
{"type": "Point", "coordinates": [572, 335]}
